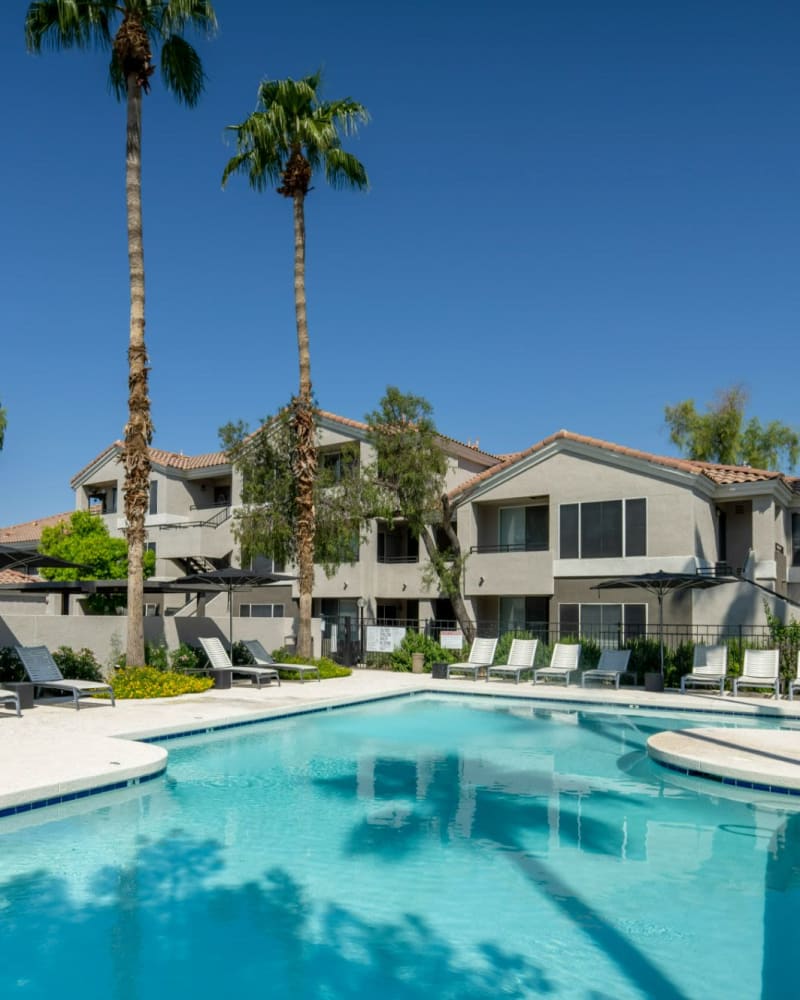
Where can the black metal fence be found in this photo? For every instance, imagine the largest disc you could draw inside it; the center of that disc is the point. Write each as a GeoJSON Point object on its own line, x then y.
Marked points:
{"type": "Point", "coordinates": [346, 641]}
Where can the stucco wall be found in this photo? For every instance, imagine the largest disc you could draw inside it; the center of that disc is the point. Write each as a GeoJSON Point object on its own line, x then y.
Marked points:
{"type": "Point", "coordinates": [105, 635]}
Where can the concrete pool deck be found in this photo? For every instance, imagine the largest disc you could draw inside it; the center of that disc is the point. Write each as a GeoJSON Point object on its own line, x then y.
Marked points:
{"type": "Point", "coordinates": [54, 753]}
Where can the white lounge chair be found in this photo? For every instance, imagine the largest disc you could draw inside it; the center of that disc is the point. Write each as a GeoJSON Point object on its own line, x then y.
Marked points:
{"type": "Point", "coordinates": [44, 672]}
{"type": "Point", "coordinates": [563, 662]}
{"type": "Point", "coordinates": [10, 696]}
{"type": "Point", "coordinates": [709, 668]}
{"type": "Point", "coordinates": [263, 659]}
{"type": "Point", "coordinates": [760, 670]}
{"type": "Point", "coordinates": [612, 665]}
{"type": "Point", "coordinates": [794, 683]}
{"type": "Point", "coordinates": [220, 660]}
{"type": "Point", "coordinates": [480, 658]}
{"type": "Point", "coordinates": [520, 660]}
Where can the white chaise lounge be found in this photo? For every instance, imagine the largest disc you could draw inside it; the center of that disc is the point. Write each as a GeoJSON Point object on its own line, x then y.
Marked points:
{"type": "Point", "coordinates": [220, 660]}
{"type": "Point", "coordinates": [612, 665]}
{"type": "Point", "coordinates": [709, 668]}
{"type": "Point", "coordinates": [564, 661]}
{"type": "Point", "coordinates": [480, 658]}
{"type": "Point", "coordinates": [44, 672]}
{"type": "Point", "coordinates": [760, 670]}
{"type": "Point", "coordinates": [520, 660]}
{"type": "Point", "coordinates": [264, 659]}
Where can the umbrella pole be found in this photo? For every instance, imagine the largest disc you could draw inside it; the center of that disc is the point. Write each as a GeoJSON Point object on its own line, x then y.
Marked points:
{"type": "Point", "coordinates": [661, 631]}
{"type": "Point", "coordinates": [230, 626]}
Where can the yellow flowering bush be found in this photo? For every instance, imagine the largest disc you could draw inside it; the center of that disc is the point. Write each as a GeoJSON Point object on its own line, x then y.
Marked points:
{"type": "Point", "coordinates": [147, 682]}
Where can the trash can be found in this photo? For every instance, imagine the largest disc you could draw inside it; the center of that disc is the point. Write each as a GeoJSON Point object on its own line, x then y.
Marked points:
{"type": "Point", "coordinates": [417, 663]}
{"type": "Point", "coordinates": [439, 671]}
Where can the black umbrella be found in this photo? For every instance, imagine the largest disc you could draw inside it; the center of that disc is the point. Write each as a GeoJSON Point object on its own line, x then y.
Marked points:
{"type": "Point", "coordinates": [229, 579]}
{"type": "Point", "coordinates": [660, 584]}
{"type": "Point", "coordinates": [13, 558]}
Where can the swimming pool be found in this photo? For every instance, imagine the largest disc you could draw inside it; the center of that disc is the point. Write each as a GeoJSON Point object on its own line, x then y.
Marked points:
{"type": "Point", "coordinates": [454, 847]}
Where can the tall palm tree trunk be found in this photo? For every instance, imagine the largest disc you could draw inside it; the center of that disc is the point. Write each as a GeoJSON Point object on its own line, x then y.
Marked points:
{"type": "Point", "coordinates": [306, 451]}
{"type": "Point", "coordinates": [139, 429]}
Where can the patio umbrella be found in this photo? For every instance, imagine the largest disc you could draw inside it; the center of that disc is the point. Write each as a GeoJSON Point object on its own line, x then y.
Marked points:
{"type": "Point", "coordinates": [229, 579]}
{"type": "Point", "coordinates": [660, 584]}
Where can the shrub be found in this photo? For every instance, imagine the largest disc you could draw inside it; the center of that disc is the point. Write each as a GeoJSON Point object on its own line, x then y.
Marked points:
{"type": "Point", "coordinates": [156, 655]}
{"type": "Point", "coordinates": [327, 667]}
{"type": "Point", "coordinates": [241, 654]}
{"type": "Point", "coordinates": [150, 682]}
{"type": "Point", "coordinates": [417, 642]}
{"type": "Point", "coordinates": [645, 656]}
{"type": "Point", "coordinates": [11, 668]}
{"type": "Point", "coordinates": [590, 653]}
{"type": "Point", "coordinates": [80, 666]}
{"type": "Point", "coordinates": [183, 658]}
{"type": "Point", "coordinates": [678, 662]}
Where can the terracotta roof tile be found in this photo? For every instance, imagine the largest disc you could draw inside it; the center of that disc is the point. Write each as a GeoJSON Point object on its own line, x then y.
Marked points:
{"type": "Point", "coordinates": [170, 459]}
{"type": "Point", "coordinates": [360, 425]}
{"type": "Point", "coordinates": [14, 576]}
{"type": "Point", "coordinates": [31, 531]}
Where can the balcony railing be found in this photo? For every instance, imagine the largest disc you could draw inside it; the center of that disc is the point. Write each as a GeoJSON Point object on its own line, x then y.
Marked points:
{"type": "Point", "coordinates": [214, 521]}
{"type": "Point", "coordinates": [509, 547]}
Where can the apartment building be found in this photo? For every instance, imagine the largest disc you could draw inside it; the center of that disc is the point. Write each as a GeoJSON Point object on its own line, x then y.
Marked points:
{"type": "Point", "coordinates": [542, 527]}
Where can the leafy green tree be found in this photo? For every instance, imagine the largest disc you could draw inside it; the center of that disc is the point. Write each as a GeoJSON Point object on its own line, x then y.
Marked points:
{"type": "Point", "coordinates": [291, 136]}
{"type": "Point", "coordinates": [85, 539]}
{"type": "Point", "coordinates": [2, 427]}
{"type": "Point", "coordinates": [721, 434]}
{"type": "Point", "coordinates": [410, 470]}
{"type": "Point", "coordinates": [144, 24]}
{"type": "Point", "coordinates": [266, 521]}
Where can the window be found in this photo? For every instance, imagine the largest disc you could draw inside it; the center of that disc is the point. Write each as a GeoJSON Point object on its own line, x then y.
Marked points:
{"type": "Point", "coordinates": [151, 611]}
{"type": "Point", "coordinates": [517, 613]}
{"type": "Point", "coordinates": [523, 529]}
{"type": "Point", "coordinates": [604, 529]}
{"type": "Point", "coordinates": [153, 496]}
{"type": "Point", "coordinates": [397, 545]}
{"type": "Point", "coordinates": [261, 611]}
{"type": "Point", "coordinates": [337, 465]}
{"type": "Point", "coordinates": [795, 540]}
{"type": "Point", "coordinates": [606, 623]}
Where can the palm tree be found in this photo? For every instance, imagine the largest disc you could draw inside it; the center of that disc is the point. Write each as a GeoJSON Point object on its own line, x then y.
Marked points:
{"type": "Point", "coordinates": [61, 24]}
{"type": "Point", "coordinates": [290, 136]}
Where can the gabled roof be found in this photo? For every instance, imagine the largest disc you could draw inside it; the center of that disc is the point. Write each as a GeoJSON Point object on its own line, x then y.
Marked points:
{"type": "Point", "coordinates": [166, 459]}
{"type": "Point", "coordinates": [721, 475]}
{"type": "Point", "coordinates": [359, 425]}
{"type": "Point", "coordinates": [31, 531]}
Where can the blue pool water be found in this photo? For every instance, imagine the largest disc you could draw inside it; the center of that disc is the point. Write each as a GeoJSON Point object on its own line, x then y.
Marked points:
{"type": "Point", "coordinates": [454, 848]}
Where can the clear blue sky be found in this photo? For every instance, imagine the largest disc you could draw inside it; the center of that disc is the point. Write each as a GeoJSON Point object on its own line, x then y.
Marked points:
{"type": "Point", "coordinates": [579, 212]}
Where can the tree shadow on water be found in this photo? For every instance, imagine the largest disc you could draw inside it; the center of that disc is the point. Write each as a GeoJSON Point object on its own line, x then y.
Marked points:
{"type": "Point", "coordinates": [166, 923]}
{"type": "Point", "coordinates": [516, 826]}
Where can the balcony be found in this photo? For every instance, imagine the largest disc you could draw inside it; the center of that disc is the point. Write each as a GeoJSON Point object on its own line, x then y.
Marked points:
{"type": "Point", "coordinates": [207, 534]}
{"type": "Point", "coordinates": [508, 570]}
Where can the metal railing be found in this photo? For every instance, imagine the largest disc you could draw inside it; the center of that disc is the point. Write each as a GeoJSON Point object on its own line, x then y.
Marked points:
{"type": "Point", "coordinates": [214, 521]}
{"type": "Point", "coordinates": [345, 638]}
{"type": "Point", "coordinates": [508, 547]}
